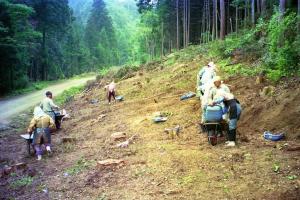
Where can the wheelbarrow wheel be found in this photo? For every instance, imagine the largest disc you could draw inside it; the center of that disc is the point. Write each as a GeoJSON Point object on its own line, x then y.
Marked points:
{"type": "Point", "coordinates": [212, 138]}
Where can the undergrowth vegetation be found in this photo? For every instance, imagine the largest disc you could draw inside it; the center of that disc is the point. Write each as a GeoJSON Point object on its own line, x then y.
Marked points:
{"type": "Point", "coordinates": [68, 95]}
{"type": "Point", "coordinates": [272, 47]}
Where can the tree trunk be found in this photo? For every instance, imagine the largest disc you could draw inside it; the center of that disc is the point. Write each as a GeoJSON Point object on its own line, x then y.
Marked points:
{"type": "Point", "coordinates": [188, 22]}
{"type": "Point", "coordinates": [253, 12]}
{"type": "Point", "coordinates": [282, 7]}
{"type": "Point", "coordinates": [245, 13]}
{"type": "Point", "coordinates": [298, 16]}
{"type": "Point", "coordinates": [222, 12]}
{"type": "Point", "coordinates": [217, 29]}
{"type": "Point", "coordinates": [184, 23]}
{"type": "Point", "coordinates": [44, 67]}
{"type": "Point", "coordinates": [258, 6]}
{"type": "Point", "coordinates": [177, 24]}
{"type": "Point", "coordinates": [214, 20]}
{"type": "Point", "coordinates": [263, 7]}
{"type": "Point", "coordinates": [236, 18]}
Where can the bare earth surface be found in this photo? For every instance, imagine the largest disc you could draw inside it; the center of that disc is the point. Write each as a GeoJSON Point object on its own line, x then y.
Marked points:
{"type": "Point", "coordinates": [12, 106]}
{"type": "Point", "coordinates": [156, 166]}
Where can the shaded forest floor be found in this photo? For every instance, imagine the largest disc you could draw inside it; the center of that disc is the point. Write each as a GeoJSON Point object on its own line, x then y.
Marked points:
{"type": "Point", "coordinates": [155, 165]}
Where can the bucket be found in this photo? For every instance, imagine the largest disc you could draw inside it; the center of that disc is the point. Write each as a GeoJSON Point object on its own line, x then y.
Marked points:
{"type": "Point", "coordinates": [213, 114]}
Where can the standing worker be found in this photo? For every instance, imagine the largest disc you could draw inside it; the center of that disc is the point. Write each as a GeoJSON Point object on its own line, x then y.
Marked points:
{"type": "Point", "coordinates": [48, 106]}
{"type": "Point", "coordinates": [204, 78]}
{"type": "Point", "coordinates": [111, 91]}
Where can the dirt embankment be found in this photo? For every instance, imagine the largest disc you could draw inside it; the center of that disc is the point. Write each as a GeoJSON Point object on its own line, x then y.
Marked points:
{"type": "Point", "coordinates": [155, 165]}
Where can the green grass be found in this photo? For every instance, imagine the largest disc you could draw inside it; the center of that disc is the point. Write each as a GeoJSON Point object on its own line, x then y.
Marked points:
{"type": "Point", "coordinates": [36, 86]}
{"type": "Point", "coordinates": [24, 181]}
{"type": "Point", "coordinates": [32, 87]}
{"type": "Point", "coordinates": [67, 95]}
{"type": "Point", "coordinates": [78, 167]}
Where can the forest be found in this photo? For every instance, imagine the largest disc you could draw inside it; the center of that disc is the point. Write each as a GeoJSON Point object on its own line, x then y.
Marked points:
{"type": "Point", "coordinates": [55, 39]}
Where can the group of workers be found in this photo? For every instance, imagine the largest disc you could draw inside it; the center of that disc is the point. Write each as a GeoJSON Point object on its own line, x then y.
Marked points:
{"type": "Point", "coordinates": [42, 123]}
{"type": "Point", "coordinates": [210, 88]}
{"type": "Point", "coordinates": [43, 120]}
{"type": "Point", "coordinates": [212, 91]}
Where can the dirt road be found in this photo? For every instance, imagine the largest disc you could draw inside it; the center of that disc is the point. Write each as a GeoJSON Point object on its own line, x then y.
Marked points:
{"type": "Point", "coordinates": [12, 106]}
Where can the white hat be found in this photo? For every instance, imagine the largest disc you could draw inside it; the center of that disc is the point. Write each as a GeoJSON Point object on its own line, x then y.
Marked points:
{"type": "Point", "coordinates": [211, 64]}
{"type": "Point", "coordinates": [217, 78]}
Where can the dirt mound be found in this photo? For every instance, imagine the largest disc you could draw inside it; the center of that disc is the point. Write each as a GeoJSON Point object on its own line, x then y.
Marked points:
{"type": "Point", "coordinates": [277, 111]}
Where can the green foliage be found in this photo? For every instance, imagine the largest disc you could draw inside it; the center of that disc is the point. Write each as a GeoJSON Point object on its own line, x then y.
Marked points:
{"type": "Point", "coordinates": [68, 94]}
{"type": "Point", "coordinates": [79, 166]}
{"type": "Point", "coordinates": [17, 38]}
{"type": "Point", "coordinates": [275, 43]}
{"type": "Point", "coordinates": [126, 70]}
{"type": "Point", "coordinates": [283, 51]}
{"type": "Point", "coordinates": [100, 36]}
{"type": "Point", "coordinates": [24, 181]}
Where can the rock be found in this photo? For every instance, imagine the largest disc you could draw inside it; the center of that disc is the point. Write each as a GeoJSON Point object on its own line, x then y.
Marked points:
{"type": "Point", "coordinates": [118, 135]}
{"type": "Point", "coordinates": [94, 101]}
{"type": "Point", "coordinates": [8, 170]}
{"type": "Point", "coordinates": [101, 117]}
{"type": "Point", "coordinates": [123, 144]}
{"type": "Point", "coordinates": [259, 79]}
{"type": "Point", "coordinates": [68, 139]}
{"type": "Point", "coordinates": [20, 166]}
{"type": "Point", "coordinates": [110, 162]}
{"type": "Point", "coordinates": [173, 131]}
{"type": "Point", "coordinates": [267, 91]}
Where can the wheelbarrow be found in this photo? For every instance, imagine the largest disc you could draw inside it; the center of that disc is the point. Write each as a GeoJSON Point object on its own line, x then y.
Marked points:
{"type": "Point", "coordinates": [29, 141]}
{"type": "Point", "coordinates": [215, 131]}
{"type": "Point", "coordinates": [58, 117]}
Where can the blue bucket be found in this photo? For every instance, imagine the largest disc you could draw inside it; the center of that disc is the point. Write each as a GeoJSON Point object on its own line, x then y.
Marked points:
{"type": "Point", "coordinates": [213, 113]}
{"type": "Point", "coordinates": [273, 137]}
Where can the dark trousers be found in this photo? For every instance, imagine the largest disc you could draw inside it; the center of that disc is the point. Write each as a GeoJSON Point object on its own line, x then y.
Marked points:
{"type": "Point", "coordinates": [231, 104]}
{"type": "Point", "coordinates": [111, 94]}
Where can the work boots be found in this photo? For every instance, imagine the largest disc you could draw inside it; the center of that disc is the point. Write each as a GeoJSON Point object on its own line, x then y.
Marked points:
{"type": "Point", "coordinates": [231, 138]}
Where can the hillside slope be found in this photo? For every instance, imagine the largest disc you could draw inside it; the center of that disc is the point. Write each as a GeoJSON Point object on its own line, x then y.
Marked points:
{"type": "Point", "coordinates": [157, 166]}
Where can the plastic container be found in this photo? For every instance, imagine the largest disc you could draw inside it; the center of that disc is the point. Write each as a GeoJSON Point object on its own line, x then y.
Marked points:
{"type": "Point", "coordinates": [119, 98]}
{"type": "Point", "coordinates": [160, 119]}
{"type": "Point", "coordinates": [213, 114]}
{"type": "Point", "coordinates": [187, 96]}
{"type": "Point", "coordinates": [273, 137]}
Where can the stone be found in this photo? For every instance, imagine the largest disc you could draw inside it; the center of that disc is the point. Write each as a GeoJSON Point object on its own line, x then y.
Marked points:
{"type": "Point", "coordinates": [267, 91]}
{"type": "Point", "coordinates": [110, 162]}
{"type": "Point", "coordinates": [68, 139]}
{"type": "Point", "coordinates": [118, 135]}
{"type": "Point", "coordinates": [123, 144]}
{"type": "Point", "coordinates": [20, 166]}
{"type": "Point", "coordinates": [8, 170]}
{"type": "Point", "coordinates": [259, 80]}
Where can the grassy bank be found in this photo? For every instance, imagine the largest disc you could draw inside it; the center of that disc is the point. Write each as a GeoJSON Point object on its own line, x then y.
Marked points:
{"type": "Point", "coordinates": [36, 86]}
